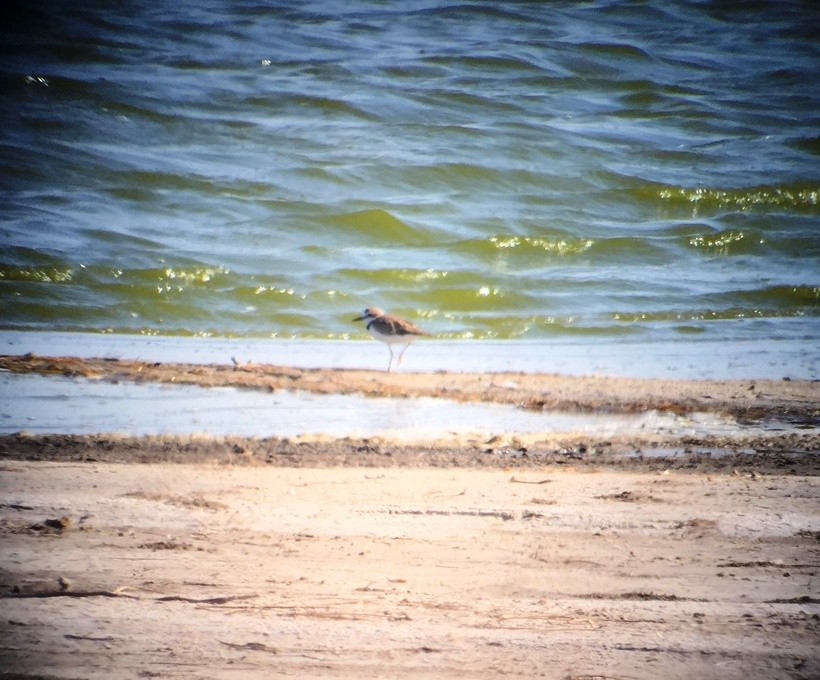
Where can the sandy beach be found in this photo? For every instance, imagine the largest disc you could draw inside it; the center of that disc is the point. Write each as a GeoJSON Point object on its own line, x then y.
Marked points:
{"type": "Point", "coordinates": [598, 460]}
{"type": "Point", "coordinates": [546, 556]}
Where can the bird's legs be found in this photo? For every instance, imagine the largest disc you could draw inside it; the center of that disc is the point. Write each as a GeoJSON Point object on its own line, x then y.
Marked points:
{"type": "Point", "coordinates": [401, 354]}
{"type": "Point", "coordinates": [390, 365]}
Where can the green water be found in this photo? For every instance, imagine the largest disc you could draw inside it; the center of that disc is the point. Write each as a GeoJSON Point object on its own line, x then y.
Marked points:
{"type": "Point", "coordinates": [527, 170]}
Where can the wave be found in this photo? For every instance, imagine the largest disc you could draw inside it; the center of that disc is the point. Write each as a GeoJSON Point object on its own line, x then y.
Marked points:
{"type": "Point", "coordinates": [375, 226]}
{"type": "Point", "coordinates": [782, 298]}
{"type": "Point", "coordinates": [799, 197]}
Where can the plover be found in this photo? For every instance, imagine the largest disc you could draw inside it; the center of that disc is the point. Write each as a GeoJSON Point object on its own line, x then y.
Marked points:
{"type": "Point", "coordinates": [391, 330]}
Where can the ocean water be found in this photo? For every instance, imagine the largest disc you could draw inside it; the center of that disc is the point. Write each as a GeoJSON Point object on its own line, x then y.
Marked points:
{"type": "Point", "coordinates": [538, 170]}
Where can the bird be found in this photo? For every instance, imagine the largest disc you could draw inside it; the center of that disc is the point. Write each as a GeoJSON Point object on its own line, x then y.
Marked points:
{"type": "Point", "coordinates": [392, 330]}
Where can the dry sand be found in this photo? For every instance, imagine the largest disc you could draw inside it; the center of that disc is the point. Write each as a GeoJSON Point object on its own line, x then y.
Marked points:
{"type": "Point", "coordinates": [232, 558]}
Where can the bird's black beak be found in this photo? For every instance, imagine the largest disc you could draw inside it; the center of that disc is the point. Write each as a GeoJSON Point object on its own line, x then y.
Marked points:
{"type": "Point", "coordinates": [359, 318]}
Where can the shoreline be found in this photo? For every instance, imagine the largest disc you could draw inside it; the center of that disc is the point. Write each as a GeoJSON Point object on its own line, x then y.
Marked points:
{"type": "Point", "coordinates": [731, 356]}
{"type": "Point", "coordinates": [750, 399]}
{"type": "Point", "coordinates": [775, 430]}
{"type": "Point", "coordinates": [752, 458]}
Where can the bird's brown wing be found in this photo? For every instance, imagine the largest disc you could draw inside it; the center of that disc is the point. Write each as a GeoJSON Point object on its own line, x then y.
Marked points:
{"type": "Point", "coordinates": [402, 327]}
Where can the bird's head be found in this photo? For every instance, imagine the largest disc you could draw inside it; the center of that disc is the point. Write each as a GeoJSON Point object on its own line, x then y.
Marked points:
{"type": "Point", "coordinates": [369, 314]}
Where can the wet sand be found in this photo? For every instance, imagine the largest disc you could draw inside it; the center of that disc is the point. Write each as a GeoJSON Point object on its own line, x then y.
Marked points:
{"type": "Point", "coordinates": [751, 399]}
{"type": "Point", "coordinates": [547, 556]}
